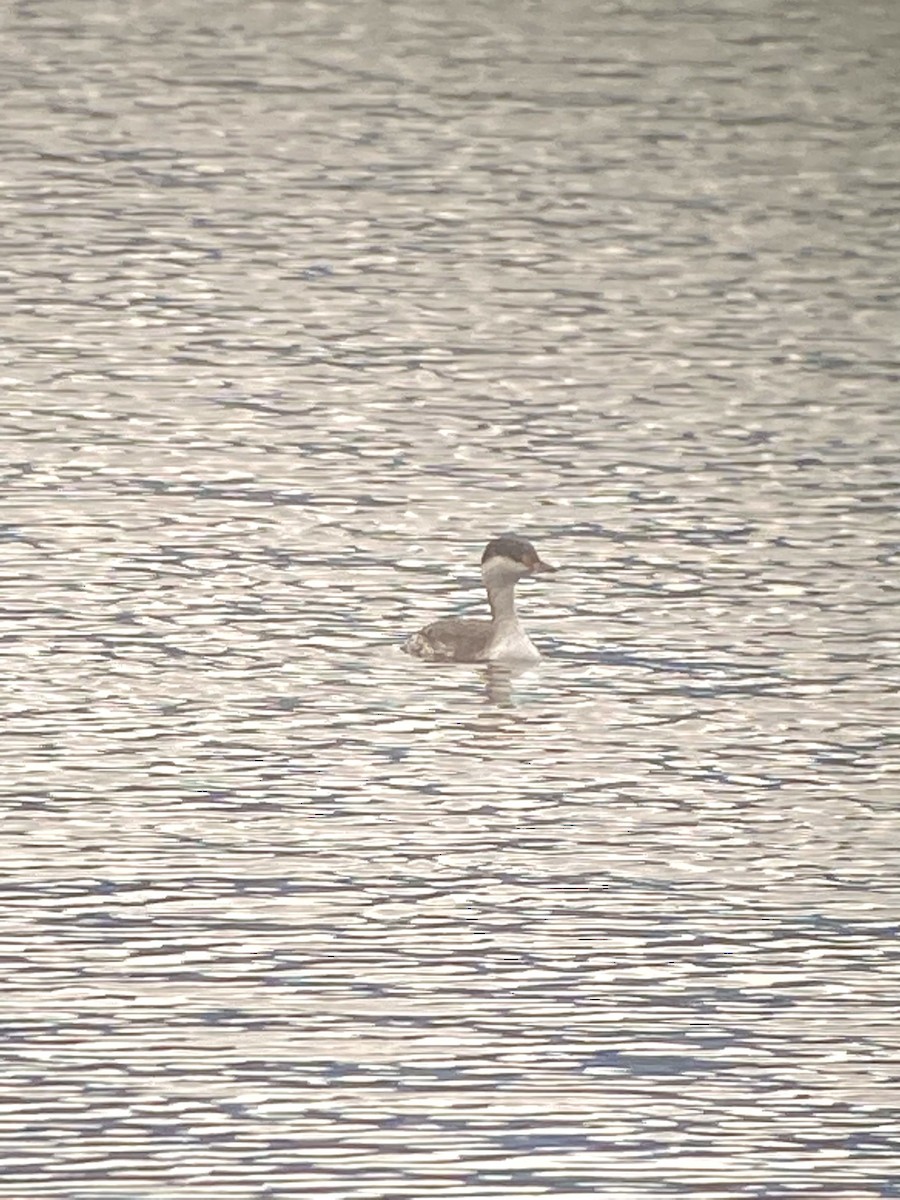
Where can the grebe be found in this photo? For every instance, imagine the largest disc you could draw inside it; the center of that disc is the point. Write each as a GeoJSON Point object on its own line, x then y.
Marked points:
{"type": "Point", "coordinates": [502, 639]}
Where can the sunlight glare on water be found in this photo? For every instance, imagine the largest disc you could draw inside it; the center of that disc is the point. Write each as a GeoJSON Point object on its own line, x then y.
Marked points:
{"type": "Point", "coordinates": [305, 303]}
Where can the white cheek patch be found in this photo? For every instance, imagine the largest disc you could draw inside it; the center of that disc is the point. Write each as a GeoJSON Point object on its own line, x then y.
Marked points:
{"type": "Point", "coordinates": [502, 570]}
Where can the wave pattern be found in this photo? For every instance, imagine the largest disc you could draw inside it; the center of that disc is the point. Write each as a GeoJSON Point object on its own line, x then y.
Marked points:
{"type": "Point", "coordinates": [305, 302]}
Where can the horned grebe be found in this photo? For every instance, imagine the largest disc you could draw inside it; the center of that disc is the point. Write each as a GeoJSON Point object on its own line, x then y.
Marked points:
{"type": "Point", "coordinates": [502, 639]}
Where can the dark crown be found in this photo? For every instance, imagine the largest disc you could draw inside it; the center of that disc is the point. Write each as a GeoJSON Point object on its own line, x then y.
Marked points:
{"type": "Point", "coordinates": [510, 546]}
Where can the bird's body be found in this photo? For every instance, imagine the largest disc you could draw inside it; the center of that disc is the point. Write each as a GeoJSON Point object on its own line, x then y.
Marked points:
{"type": "Point", "coordinates": [502, 639]}
{"type": "Point", "coordinates": [445, 640]}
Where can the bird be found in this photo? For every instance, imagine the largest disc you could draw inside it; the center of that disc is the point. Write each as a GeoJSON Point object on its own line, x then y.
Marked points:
{"type": "Point", "coordinates": [502, 639]}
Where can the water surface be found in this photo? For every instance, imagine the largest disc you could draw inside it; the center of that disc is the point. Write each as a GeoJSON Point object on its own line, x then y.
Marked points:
{"type": "Point", "coordinates": [303, 303]}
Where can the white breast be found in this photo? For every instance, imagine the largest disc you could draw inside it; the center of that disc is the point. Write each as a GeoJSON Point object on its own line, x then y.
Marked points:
{"type": "Point", "coordinates": [512, 645]}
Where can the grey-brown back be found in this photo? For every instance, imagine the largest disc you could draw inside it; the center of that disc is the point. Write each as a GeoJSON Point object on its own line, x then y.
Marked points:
{"type": "Point", "coordinates": [453, 639]}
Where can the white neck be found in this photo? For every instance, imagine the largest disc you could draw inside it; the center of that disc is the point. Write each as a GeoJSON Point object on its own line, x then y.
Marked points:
{"type": "Point", "coordinates": [502, 599]}
{"type": "Point", "coordinates": [509, 641]}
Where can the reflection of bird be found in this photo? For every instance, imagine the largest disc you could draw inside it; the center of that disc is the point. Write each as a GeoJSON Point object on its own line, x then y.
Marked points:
{"type": "Point", "coordinates": [502, 639]}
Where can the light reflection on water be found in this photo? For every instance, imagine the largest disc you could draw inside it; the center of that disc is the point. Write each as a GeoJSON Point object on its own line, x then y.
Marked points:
{"type": "Point", "coordinates": [302, 311]}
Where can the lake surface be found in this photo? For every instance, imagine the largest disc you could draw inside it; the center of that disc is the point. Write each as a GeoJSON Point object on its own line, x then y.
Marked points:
{"type": "Point", "coordinates": [303, 303]}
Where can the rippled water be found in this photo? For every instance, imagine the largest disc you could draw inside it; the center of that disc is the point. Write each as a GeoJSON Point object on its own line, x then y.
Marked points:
{"type": "Point", "coordinates": [304, 302]}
